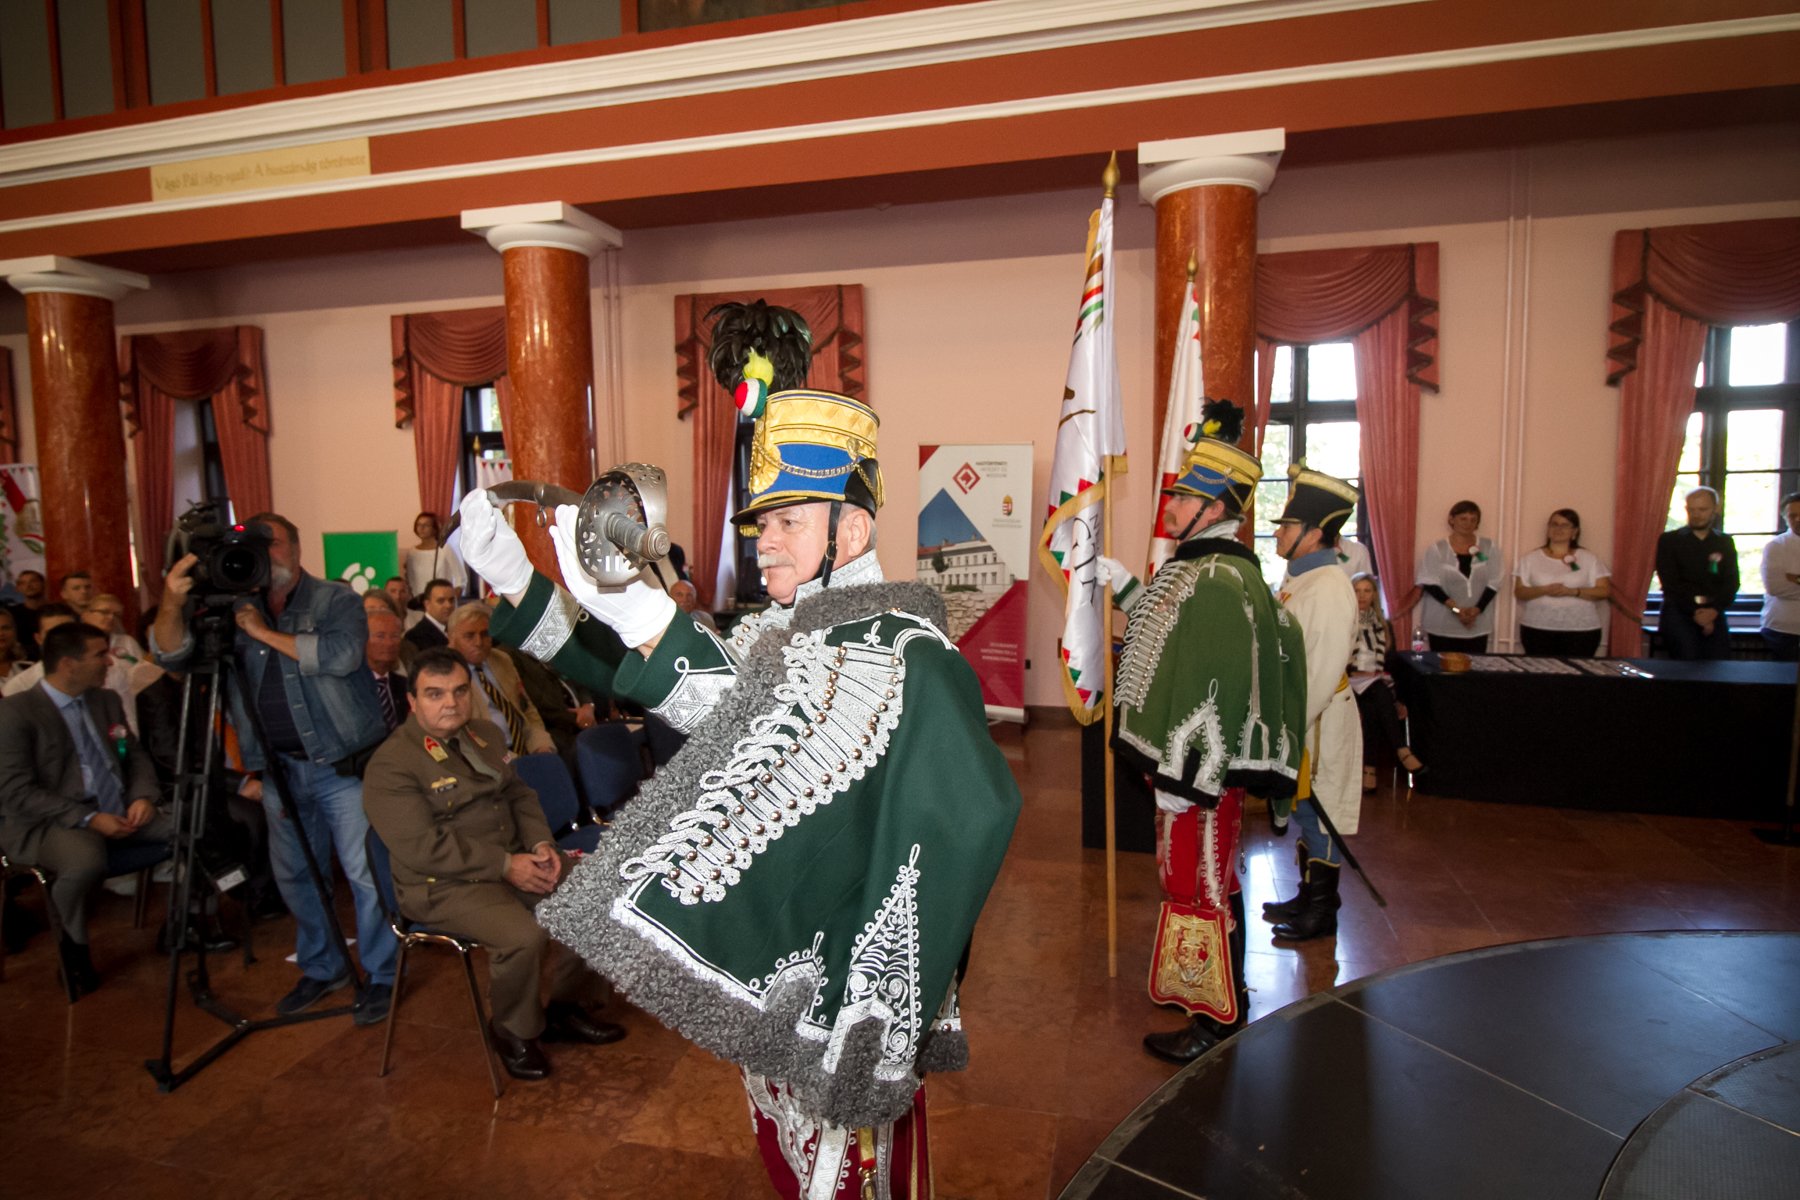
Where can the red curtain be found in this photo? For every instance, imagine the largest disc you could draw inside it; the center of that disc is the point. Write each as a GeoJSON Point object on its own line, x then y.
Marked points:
{"type": "Point", "coordinates": [1387, 407]}
{"type": "Point", "coordinates": [1669, 286]}
{"type": "Point", "coordinates": [224, 365]}
{"type": "Point", "coordinates": [1735, 273]}
{"type": "Point", "coordinates": [9, 427]}
{"type": "Point", "coordinates": [1384, 299]}
{"type": "Point", "coordinates": [436, 356]}
{"type": "Point", "coordinates": [1654, 403]}
{"type": "Point", "coordinates": [834, 312]}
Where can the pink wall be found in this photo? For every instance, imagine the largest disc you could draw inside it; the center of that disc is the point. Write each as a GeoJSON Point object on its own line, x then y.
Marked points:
{"type": "Point", "coordinates": [969, 306]}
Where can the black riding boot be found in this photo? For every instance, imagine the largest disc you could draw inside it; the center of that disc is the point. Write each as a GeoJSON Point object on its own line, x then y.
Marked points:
{"type": "Point", "coordinates": [1318, 915]}
{"type": "Point", "coordinates": [1281, 910]}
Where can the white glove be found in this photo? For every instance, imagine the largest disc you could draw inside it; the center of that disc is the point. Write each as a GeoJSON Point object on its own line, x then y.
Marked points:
{"type": "Point", "coordinates": [637, 612]}
{"type": "Point", "coordinates": [488, 545]}
{"type": "Point", "coordinates": [1113, 573]}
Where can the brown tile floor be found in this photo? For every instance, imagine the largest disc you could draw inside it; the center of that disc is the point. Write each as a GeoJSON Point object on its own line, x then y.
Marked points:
{"type": "Point", "coordinates": [299, 1111]}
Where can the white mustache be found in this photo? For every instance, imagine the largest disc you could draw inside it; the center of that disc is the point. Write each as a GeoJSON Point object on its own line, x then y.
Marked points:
{"type": "Point", "coordinates": [769, 559]}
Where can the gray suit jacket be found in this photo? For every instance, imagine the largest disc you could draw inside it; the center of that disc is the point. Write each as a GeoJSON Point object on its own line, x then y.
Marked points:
{"type": "Point", "coordinates": [40, 770]}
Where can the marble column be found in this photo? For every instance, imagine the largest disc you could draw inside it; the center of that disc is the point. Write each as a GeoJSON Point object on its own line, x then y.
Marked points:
{"type": "Point", "coordinates": [75, 406]}
{"type": "Point", "coordinates": [1205, 191]}
{"type": "Point", "coordinates": [545, 251]}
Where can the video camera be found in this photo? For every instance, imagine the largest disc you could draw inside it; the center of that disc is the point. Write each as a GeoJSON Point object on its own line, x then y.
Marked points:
{"type": "Point", "coordinates": [233, 560]}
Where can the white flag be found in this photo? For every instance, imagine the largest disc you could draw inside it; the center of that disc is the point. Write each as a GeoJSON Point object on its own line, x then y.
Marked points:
{"type": "Point", "coordinates": [1089, 433]}
{"type": "Point", "coordinates": [1186, 395]}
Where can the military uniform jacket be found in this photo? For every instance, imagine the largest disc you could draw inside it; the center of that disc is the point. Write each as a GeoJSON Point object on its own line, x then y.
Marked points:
{"type": "Point", "coordinates": [1211, 688]}
{"type": "Point", "coordinates": [1323, 602]}
{"type": "Point", "coordinates": [448, 821]}
{"type": "Point", "coordinates": [793, 891]}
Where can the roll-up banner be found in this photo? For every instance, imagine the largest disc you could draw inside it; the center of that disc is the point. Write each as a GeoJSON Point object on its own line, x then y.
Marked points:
{"type": "Point", "coordinates": [975, 549]}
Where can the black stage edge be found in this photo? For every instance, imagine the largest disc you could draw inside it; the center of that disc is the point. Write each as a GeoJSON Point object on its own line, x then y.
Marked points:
{"type": "Point", "coordinates": [1522, 1072]}
{"type": "Point", "coordinates": [1705, 739]}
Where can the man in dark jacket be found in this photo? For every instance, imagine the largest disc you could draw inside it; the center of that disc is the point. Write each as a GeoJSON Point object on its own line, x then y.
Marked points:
{"type": "Point", "coordinates": [72, 780]}
{"type": "Point", "coordinates": [1698, 569]}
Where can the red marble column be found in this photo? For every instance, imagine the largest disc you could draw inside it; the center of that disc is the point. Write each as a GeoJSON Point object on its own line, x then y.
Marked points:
{"type": "Point", "coordinates": [1205, 191]}
{"type": "Point", "coordinates": [75, 406]}
{"type": "Point", "coordinates": [550, 360]}
{"type": "Point", "coordinates": [545, 252]}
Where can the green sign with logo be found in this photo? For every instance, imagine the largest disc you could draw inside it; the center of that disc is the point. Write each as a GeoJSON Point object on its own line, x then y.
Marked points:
{"type": "Point", "coordinates": [365, 561]}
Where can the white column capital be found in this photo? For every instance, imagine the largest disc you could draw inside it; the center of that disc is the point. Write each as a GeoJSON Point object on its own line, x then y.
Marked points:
{"type": "Point", "coordinates": [549, 223]}
{"type": "Point", "coordinates": [1246, 159]}
{"type": "Point", "coordinates": [54, 273]}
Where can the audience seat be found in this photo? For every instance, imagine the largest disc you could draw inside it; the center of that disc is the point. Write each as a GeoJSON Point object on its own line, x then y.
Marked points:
{"type": "Point", "coordinates": [607, 758]}
{"type": "Point", "coordinates": [548, 776]}
{"type": "Point", "coordinates": [122, 858]}
{"type": "Point", "coordinates": [411, 935]}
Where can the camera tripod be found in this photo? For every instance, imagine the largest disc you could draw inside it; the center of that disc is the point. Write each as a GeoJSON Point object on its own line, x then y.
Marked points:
{"type": "Point", "coordinates": [204, 695]}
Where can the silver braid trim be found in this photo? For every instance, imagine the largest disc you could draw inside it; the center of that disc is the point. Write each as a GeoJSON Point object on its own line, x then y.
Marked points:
{"type": "Point", "coordinates": [841, 707]}
{"type": "Point", "coordinates": [554, 628]}
{"type": "Point", "coordinates": [1153, 618]}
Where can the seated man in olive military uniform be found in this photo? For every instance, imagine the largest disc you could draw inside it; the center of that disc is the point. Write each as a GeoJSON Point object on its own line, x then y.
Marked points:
{"type": "Point", "coordinates": [472, 853]}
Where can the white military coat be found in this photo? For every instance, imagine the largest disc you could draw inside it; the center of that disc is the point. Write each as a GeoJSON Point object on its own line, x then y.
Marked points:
{"type": "Point", "coordinates": [1324, 603]}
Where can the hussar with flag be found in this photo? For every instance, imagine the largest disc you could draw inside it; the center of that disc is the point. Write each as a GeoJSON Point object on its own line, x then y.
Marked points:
{"type": "Point", "coordinates": [1187, 394]}
{"type": "Point", "coordinates": [1090, 450]}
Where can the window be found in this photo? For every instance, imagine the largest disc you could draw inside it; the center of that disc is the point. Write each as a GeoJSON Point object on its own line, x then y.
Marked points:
{"type": "Point", "coordinates": [1743, 437]}
{"type": "Point", "coordinates": [212, 460]}
{"type": "Point", "coordinates": [483, 461]}
{"type": "Point", "coordinates": [1312, 419]}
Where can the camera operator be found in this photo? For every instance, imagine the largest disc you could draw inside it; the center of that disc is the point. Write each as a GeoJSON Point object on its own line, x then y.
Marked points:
{"type": "Point", "coordinates": [300, 650]}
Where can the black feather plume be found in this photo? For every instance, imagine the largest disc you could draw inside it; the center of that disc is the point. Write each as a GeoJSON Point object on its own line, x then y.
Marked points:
{"type": "Point", "coordinates": [1222, 419]}
{"type": "Point", "coordinates": [778, 334]}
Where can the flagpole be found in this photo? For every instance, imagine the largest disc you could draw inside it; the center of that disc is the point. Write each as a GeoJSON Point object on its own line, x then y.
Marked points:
{"type": "Point", "coordinates": [1110, 177]}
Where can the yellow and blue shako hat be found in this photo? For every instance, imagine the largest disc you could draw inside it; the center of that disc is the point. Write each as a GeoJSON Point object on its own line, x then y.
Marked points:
{"type": "Point", "coordinates": [1318, 499]}
{"type": "Point", "coordinates": [1216, 465]}
{"type": "Point", "coordinates": [811, 445]}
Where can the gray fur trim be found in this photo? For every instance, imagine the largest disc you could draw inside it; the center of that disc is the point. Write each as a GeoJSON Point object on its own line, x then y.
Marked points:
{"type": "Point", "coordinates": [763, 1040]}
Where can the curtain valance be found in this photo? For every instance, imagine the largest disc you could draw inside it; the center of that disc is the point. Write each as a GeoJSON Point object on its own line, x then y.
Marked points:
{"type": "Point", "coordinates": [1307, 296]}
{"type": "Point", "coordinates": [1732, 273]}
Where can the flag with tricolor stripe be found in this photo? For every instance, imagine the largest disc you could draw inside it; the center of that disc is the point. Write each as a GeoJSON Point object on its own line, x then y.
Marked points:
{"type": "Point", "coordinates": [1090, 432]}
{"type": "Point", "coordinates": [1187, 394]}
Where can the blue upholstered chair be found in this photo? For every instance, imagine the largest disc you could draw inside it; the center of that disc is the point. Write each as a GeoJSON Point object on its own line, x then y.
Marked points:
{"type": "Point", "coordinates": [609, 764]}
{"type": "Point", "coordinates": [412, 934]}
{"type": "Point", "coordinates": [548, 776]}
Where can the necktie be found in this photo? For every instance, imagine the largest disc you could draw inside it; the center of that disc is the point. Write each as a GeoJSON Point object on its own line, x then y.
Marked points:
{"type": "Point", "coordinates": [387, 703]}
{"type": "Point", "coordinates": [95, 765]}
{"type": "Point", "coordinates": [515, 721]}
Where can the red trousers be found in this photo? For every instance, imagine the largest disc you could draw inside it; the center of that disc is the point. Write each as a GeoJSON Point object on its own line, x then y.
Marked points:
{"type": "Point", "coordinates": [808, 1159]}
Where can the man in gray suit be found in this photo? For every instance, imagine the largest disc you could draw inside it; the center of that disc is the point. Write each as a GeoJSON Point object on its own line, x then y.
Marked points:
{"type": "Point", "coordinates": [72, 779]}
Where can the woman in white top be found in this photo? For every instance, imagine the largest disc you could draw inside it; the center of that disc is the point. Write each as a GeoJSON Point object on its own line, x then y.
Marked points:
{"type": "Point", "coordinates": [1781, 586]}
{"type": "Point", "coordinates": [1562, 591]}
{"type": "Point", "coordinates": [1460, 575]}
{"type": "Point", "coordinates": [431, 560]}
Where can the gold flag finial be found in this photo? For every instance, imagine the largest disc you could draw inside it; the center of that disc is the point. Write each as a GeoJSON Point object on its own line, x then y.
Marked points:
{"type": "Point", "coordinates": [1109, 178]}
{"type": "Point", "coordinates": [1193, 266]}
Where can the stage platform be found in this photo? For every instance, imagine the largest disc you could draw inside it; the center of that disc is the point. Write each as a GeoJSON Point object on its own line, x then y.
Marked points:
{"type": "Point", "coordinates": [1622, 1066]}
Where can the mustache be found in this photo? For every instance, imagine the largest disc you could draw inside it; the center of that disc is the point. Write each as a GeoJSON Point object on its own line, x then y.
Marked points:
{"type": "Point", "coordinates": [768, 559]}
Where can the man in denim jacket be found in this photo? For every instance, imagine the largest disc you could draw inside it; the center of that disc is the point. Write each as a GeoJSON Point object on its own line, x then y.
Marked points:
{"type": "Point", "coordinates": [300, 646]}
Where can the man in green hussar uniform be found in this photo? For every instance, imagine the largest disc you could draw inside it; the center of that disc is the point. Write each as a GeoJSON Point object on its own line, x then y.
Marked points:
{"type": "Point", "coordinates": [794, 890]}
{"type": "Point", "coordinates": [1211, 695]}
